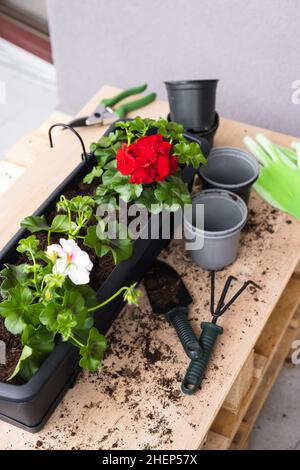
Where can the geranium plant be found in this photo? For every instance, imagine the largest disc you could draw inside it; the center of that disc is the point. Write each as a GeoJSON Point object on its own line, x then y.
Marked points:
{"type": "Point", "coordinates": [141, 162]}
{"type": "Point", "coordinates": [50, 296]}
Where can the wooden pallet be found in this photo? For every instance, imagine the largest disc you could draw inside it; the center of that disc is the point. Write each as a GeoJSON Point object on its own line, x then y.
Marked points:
{"type": "Point", "coordinates": [234, 423]}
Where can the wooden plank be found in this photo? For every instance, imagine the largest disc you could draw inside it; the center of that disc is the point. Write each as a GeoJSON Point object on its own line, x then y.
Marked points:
{"type": "Point", "coordinates": [9, 173]}
{"type": "Point", "coordinates": [297, 270]}
{"type": "Point", "coordinates": [54, 118]}
{"type": "Point", "coordinates": [28, 149]}
{"type": "Point", "coordinates": [33, 144]}
{"type": "Point", "coordinates": [265, 387]}
{"type": "Point", "coordinates": [241, 386]}
{"type": "Point", "coordinates": [216, 442]}
{"type": "Point", "coordinates": [135, 401]}
{"type": "Point", "coordinates": [275, 328]}
{"type": "Point", "coordinates": [227, 423]}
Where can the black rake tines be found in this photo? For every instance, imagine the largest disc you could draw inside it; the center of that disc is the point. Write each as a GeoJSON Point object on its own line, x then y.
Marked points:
{"type": "Point", "coordinates": [222, 307]}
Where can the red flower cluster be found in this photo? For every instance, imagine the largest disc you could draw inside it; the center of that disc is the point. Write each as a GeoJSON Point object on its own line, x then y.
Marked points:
{"type": "Point", "coordinates": [148, 160]}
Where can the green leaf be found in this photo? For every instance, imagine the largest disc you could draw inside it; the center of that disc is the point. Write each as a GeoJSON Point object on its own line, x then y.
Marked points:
{"type": "Point", "coordinates": [81, 203]}
{"type": "Point", "coordinates": [95, 173]}
{"type": "Point", "coordinates": [35, 223]}
{"type": "Point", "coordinates": [93, 147]}
{"type": "Point", "coordinates": [88, 294]}
{"type": "Point", "coordinates": [26, 353]}
{"type": "Point", "coordinates": [38, 344]}
{"type": "Point", "coordinates": [113, 175]}
{"type": "Point", "coordinates": [14, 309]}
{"type": "Point", "coordinates": [66, 323]}
{"type": "Point", "coordinates": [92, 353]}
{"type": "Point", "coordinates": [107, 200]}
{"type": "Point", "coordinates": [60, 224]}
{"type": "Point", "coordinates": [123, 124]}
{"type": "Point", "coordinates": [173, 193]}
{"type": "Point", "coordinates": [13, 276]}
{"type": "Point", "coordinates": [189, 153]}
{"type": "Point", "coordinates": [48, 316]}
{"type": "Point", "coordinates": [148, 199]}
{"type": "Point", "coordinates": [29, 244]}
{"type": "Point", "coordinates": [102, 243]}
{"type": "Point", "coordinates": [39, 339]}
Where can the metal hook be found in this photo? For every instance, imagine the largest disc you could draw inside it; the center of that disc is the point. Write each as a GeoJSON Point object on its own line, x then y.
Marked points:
{"type": "Point", "coordinates": [84, 155]}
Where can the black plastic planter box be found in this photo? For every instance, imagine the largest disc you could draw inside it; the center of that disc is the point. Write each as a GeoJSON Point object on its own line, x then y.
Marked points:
{"type": "Point", "coordinates": [29, 406]}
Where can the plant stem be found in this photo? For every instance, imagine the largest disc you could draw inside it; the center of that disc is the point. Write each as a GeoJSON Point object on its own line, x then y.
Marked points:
{"type": "Point", "coordinates": [92, 309]}
{"type": "Point", "coordinates": [48, 238]}
{"type": "Point", "coordinates": [34, 272]}
{"type": "Point", "coordinates": [81, 345]}
{"type": "Point", "coordinates": [69, 220]}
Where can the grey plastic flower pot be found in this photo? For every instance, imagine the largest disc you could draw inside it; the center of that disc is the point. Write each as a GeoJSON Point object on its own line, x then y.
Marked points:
{"type": "Point", "coordinates": [231, 169]}
{"type": "Point", "coordinates": [192, 103]}
{"type": "Point", "coordinates": [225, 214]}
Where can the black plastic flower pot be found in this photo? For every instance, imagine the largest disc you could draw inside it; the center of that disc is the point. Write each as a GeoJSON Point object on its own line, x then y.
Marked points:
{"type": "Point", "coordinates": [193, 103]}
{"type": "Point", "coordinates": [29, 405]}
{"type": "Point", "coordinates": [231, 169]}
{"type": "Point", "coordinates": [208, 135]}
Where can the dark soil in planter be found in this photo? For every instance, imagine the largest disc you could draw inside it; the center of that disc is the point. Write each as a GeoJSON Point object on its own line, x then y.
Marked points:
{"type": "Point", "coordinates": [13, 352]}
{"type": "Point", "coordinates": [164, 289]}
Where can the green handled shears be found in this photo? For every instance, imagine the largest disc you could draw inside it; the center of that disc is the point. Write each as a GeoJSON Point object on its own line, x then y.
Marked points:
{"type": "Point", "coordinates": [104, 114]}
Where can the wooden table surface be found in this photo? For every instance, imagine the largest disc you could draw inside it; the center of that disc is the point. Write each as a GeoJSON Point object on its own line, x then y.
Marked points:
{"type": "Point", "coordinates": [135, 401]}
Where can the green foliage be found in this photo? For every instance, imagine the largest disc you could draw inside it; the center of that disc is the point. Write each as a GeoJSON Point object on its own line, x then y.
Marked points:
{"type": "Point", "coordinates": [15, 308]}
{"type": "Point", "coordinates": [189, 153]}
{"type": "Point", "coordinates": [12, 276]}
{"type": "Point", "coordinates": [35, 223]}
{"type": "Point", "coordinates": [95, 173]}
{"type": "Point", "coordinates": [92, 352]}
{"type": "Point", "coordinates": [173, 193]}
{"type": "Point", "coordinates": [119, 245]}
{"type": "Point", "coordinates": [28, 245]}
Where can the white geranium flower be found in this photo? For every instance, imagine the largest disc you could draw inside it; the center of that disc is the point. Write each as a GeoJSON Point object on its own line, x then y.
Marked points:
{"type": "Point", "coordinates": [71, 261]}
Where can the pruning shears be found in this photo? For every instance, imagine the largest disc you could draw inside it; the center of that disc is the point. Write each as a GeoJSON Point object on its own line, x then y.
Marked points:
{"type": "Point", "coordinates": [104, 114]}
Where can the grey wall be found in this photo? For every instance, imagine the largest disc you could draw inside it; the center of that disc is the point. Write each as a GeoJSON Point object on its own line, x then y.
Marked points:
{"type": "Point", "coordinates": [252, 46]}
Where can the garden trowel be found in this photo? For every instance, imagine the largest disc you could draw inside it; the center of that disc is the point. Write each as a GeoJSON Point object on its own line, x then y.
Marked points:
{"type": "Point", "coordinates": [169, 296]}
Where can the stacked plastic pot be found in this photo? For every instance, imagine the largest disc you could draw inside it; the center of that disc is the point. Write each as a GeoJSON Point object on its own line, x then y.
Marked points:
{"type": "Point", "coordinates": [226, 178]}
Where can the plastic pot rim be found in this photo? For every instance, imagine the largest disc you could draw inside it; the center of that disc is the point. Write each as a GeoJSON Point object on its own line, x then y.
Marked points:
{"type": "Point", "coordinates": [222, 194]}
{"type": "Point", "coordinates": [233, 151]}
{"type": "Point", "coordinates": [192, 84]}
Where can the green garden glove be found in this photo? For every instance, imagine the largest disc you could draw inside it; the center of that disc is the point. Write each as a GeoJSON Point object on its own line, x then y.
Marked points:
{"type": "Point", "coordinates": [279, 180]}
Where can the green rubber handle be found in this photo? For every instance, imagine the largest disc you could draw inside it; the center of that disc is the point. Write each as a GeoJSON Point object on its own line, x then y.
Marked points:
{"type": "Point", "coordinates": [178, 317]}
{"type": "Point", "coordinates": [196, 370]}
{"type": "Point", "coordinates": [125, 108]}
{"type": "Point", "coordinates": [124, 94]}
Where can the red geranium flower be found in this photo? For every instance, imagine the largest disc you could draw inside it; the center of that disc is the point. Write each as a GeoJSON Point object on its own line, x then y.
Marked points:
{"type": "Point", "coordinates": [125, 162]}
{"type": "Point", "coordinates": [148, 160]}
